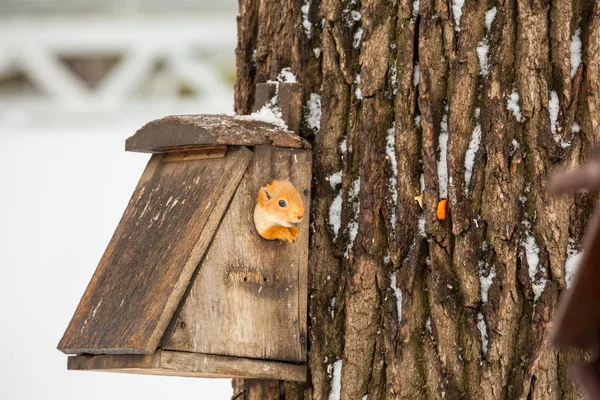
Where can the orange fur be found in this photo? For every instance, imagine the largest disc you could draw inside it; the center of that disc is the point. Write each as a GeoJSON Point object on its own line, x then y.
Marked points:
{"type": "Point", "coordinates": [274, 221]}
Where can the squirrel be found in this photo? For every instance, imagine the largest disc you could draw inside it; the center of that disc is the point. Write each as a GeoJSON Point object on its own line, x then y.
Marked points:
{"type": "Point", "coordinates": [278, 211]}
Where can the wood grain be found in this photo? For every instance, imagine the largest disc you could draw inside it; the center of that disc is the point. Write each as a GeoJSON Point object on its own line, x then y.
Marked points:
{"type": "Point", "coordinates": [258, 304]}
{"type": "Point", "coordinates": [198, 154]}
{"type": "Point", "coordinates": [188, 364]}
{"type": "Point", "coordinates": [210, 130]}
{"type": "Point", "coordinates": [152, 255]}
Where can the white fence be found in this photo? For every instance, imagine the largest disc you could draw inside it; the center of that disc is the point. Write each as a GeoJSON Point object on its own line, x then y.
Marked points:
{"type": "Point", "coordinates": [195, 52]}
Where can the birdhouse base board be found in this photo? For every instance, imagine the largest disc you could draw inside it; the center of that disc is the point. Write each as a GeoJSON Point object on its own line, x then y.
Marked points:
{"type": "Point", "coordinates": [176, 363]}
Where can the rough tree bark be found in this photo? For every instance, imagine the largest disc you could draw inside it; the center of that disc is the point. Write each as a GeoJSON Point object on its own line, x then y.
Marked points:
{"type": "Point", "coordinates": [403, 305]}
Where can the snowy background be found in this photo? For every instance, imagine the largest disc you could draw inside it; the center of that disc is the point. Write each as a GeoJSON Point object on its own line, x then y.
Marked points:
{"type": "Point", "coordinates": [66, 178]}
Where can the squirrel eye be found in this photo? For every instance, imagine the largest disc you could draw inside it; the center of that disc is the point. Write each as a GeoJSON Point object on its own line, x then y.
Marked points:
{"type": "Point", "coordinates": [282, 203]}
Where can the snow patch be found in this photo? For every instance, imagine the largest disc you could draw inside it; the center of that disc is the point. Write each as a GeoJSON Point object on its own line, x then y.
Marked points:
{"type": "Point", "coordinates": [335, 179]}
{"type": "Point", "coordinates": [398, 294]}
{"type": "Point", "coordinates": [416, 75]}
{"type": "Point", "coordinates": [344, 146]}
{"type": "Point", "coordinates": [482, 53]}
{"type": "Point", "coordinates": [417, 120]}
{"type": "Point", "coordinates": [483, 330]}
{"type": "Point", "coordinates": [390, 151]}
{"type": "Point", "coordinates": [357, 92]}
{"type": "Point", "coordinates": [553, 109]}
{"type": "Point", "coordinates": [317, 51]}
{"type": "Point", "coordinates": [422, 225]}
{"type": "Point", "coordinates": [573, 259]}
{"type": "Point", "coordinates": [575, 52]}
{"type": "Point", "coordinates": [415, 8]}
{"type": "Point", "coordinates": [336, 381]}
{"type": "Point", "coordinates": [313, 112]}
{"type": "Point", "coordinates": [354, 199]}
{"type": "Point", "coordinates": [470, 156]}
{"type": "Point", "coordinates": [357, 38]}
{"type": "Point", "coordinates": [270, 113]}
{"type": "Point", "coordinates": [335, 214]}
{"type": "Point", "coordinates": [485, 282]}
{"type": "Point", "coordinates": [575, 128]}
{"type": "Point", "coordinates": [457, 6]}
{"type": "Point", "coordinates": [305, 22]}
{"type": "Point", "coordinates": [512, 105]}
{"type": "Point", "coordinates": [442, 167]}
{"type": "Point", "coordinates": [394, 77]}
{"type": "Point", "coordinates": [532, 252]}
{"type": "Point", "coordinates": [490, 15]}
{"type": "Point", "coordinates": [286, 75]}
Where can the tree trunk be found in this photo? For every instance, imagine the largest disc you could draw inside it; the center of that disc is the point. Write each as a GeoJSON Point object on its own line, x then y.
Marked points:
{"type": "Point", "coordinates": [474, 105]}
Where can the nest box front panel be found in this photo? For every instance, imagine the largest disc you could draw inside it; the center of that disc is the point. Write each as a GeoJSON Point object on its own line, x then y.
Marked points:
{"type": "Point", "coordinates": [161, 238]}
{"type": "Point", "coordinates": [248, 298]}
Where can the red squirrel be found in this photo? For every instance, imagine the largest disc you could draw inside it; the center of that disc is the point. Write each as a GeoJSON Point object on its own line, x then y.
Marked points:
{"type": "Point", "coordinates": [278, 211]}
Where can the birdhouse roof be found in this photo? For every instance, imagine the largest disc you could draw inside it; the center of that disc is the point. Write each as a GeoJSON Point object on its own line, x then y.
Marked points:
{"type": "Point", "coordinates": [190, 131]}
{"type": "Point", "coordinates": [161, 238]}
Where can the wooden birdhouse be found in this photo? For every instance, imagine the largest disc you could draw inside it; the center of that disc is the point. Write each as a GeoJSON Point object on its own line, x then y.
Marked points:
{"type": "Point", "coordinates": [187, 286]}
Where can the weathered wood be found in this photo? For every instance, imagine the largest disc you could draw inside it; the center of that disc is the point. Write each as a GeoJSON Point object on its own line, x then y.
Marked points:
{"type": "Point", "coordinates": [151, 258]}
{"type": "Point", "coordinates": [289, 99]}
{"type": "Point", "coordinates": [188, 364]}
{"type": "Point", "coordinates": [263, 94]}
{"type": "Point", "coordinates": [259, 306]}
{"type": "Point", "coordinates": [210, 130]}
{"type": "Point", "coordinates": [200, 154]}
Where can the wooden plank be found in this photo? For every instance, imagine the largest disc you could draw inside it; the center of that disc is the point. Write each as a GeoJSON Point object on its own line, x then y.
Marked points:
{"type": "Point", "coordinates": [191, 131]}
{"type": "Point", "coordinates": [199, 154]}
{"type": "Point", "coordinates": [163, 234]}
{"type": "Point", "coordinates": [289, 98]}
{"type": "Point", "coordinates": [257, 307]}
{"type": "Point", "coordinates": [190, 365]}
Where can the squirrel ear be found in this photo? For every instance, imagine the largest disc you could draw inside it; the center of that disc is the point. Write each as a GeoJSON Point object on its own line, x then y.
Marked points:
{"type": "Point", "coordinates": [265, 194]}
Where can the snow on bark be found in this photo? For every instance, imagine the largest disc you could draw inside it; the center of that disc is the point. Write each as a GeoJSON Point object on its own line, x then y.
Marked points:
{"type": "Point", "coordinates": [286, 75]}
{"type": "Point", "coordinates": [472, 152]}
{"type": "Point", "coordinates": [442, 167]}
{"type": "Point", "coordinates": [335, 179]}
{"type": "Point", "coordinates": [357, 91]}
{"type": "Point", "coordinates": [485, 281]}
{"type": "Point", "coordinates": [398, 294]}
{"type": "Point", "coordinates": [573, 259]}
{"type": "Point", "coordinates": [336, 381]}
{"type": "Point", "coordinates": [490, 15]}
{"type": "Point", "coordinates": [305, 22]}
{"type": "Point", "coordinates": [416, 75]}
{"type": "Point", "coordinates": [512, 105]}
{"type": "Point", "coordinates": [483, 331]}
{"type": "Point", "coordinates": [482, 53]}
{"type": "Point", "coordinates": [313, 112]}
{"type": "Point", "coordinates": [394, 77]}
{"type": "Point", "coordinates": [354, 199]}
{"type": "Point", "coordinates": [415, 8]}
{"type": "Point", "coordinates": [575, 52]}
{"type": "Point", "coordinates": [532, 253]}
{"type": "Point", "coordinates": [357, 38]}
{"type": "Point", "coordinates": [335, 214]}
{"type": "Point", "coordinates": [390, 151]}
{"type": "Point", "coordinates": [457, 6]}
{"type": "Point", "coordinates": [344, 146]}
{"type": "Point", "coordinates": [553, 109]}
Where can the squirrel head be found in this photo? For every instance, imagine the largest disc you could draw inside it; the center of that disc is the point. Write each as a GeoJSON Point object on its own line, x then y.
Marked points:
{"type": "Point", "coordinates": [280, 204]}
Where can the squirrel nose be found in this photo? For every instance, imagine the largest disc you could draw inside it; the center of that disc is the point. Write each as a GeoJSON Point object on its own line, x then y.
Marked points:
{"type": "Point", "coordinates": [299, 217]}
